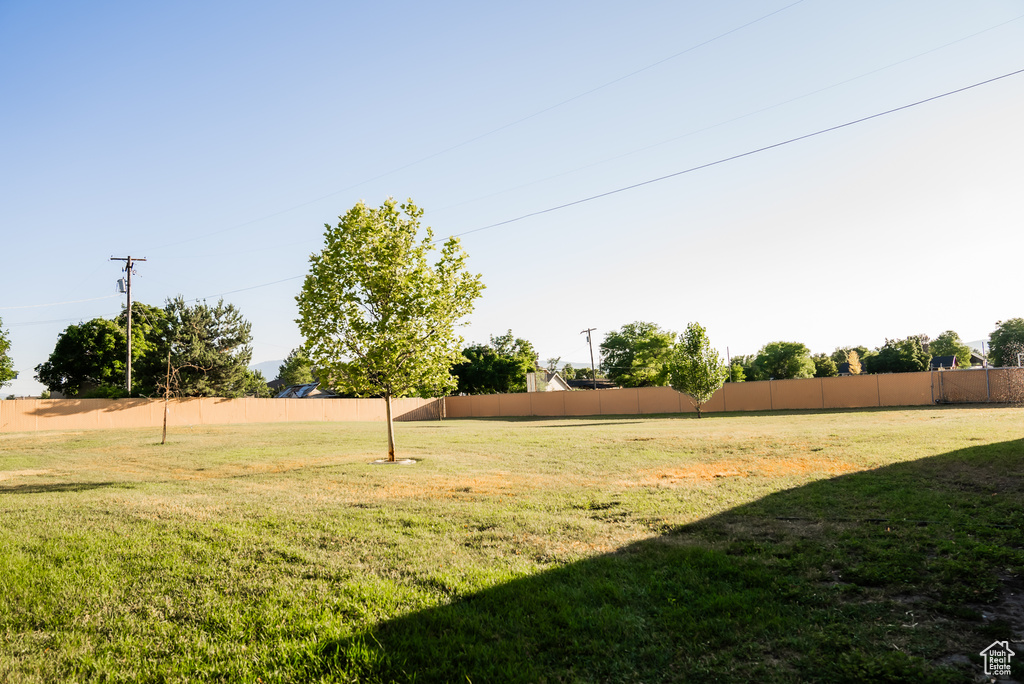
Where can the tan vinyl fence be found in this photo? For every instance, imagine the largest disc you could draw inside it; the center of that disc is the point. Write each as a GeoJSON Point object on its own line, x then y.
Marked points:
{"type": "Point", "coordinates": [857, 391]}
{"type": "Point", "coordinates": [28, 415]}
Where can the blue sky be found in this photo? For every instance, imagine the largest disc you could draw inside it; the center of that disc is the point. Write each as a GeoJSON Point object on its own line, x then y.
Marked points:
{"type": "Point", "coordinates": [216, 139]}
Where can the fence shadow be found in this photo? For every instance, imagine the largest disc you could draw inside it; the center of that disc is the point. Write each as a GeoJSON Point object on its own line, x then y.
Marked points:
{"type": "Point", "coordinates": [49, 408]}
{"type": "Point", "coordinates": [432, 410]}
{"type": "Point", "coordinates": [688, 604]}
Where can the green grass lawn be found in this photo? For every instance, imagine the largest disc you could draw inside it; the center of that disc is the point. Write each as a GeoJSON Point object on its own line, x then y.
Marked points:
{"type": "Point", "coordinates": [837, 546]}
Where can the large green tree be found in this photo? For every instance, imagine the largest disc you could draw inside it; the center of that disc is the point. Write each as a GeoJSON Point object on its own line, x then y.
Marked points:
{"type": "Point", "coordinates": [899, 356]}
{"type": "Point", "coordinates": [783, 361]}
{"type": "Point", "coordinates": [500, 367]}
{"type": "Point", "coordinates": [637, 355]}
{"type": "Point", "coordinates": [211, 347]}
{"type": "Point", "coordinates": [1006, 342]}
{"type": "Point", "coordinates": [484, 370]}
{"type": "Point", "coordinates": [950, 344]}
{"type": "Point", "coordinates": [88, 359]}
{"type": "Point", "coordinates": [209, 344]}
{"type": "Point", "coordinates": [296, 369]}
{"type": "Point", "coordinates": [742, 368]}
{"type": "Point", "coordinates": [378, 318]}
{"type": "Point", "coordinates": [824, 366]}
{"type": "Point", "coordinates": [7, 372]}
{"type": "Point", "coordinates": [148, 357]}
{"type": "Point", "coordinates": [694, 368]}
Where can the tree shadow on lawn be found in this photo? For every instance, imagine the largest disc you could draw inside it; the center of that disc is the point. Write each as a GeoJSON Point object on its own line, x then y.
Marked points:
{"type": "Point", "coordinates": [577, 421]}
{"type": "Point", "coordinates": [58, 487]}
{"type": "Point", "coordinates": [803, 585]}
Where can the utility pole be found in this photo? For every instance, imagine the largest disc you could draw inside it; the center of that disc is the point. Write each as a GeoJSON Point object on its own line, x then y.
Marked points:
{"type": "Point", "coordinates": [128, 269]}
{"type": "Point", "coordinates": [593, 370]}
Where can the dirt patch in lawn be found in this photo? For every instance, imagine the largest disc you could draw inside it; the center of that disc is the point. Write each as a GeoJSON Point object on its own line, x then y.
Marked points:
{"type": "Point", "coordinates": [446, 487]}
{"type": "Point", "coordinates": [757, 467]}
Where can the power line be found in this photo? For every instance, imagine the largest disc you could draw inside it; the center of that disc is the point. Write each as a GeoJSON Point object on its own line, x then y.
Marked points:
{"type": "Point", "coordinates": [481, 136]}
{"type": "Point", "coordinates": [51, 321]}
{"type": "Point", "coordinates": [736, 156]}
{"type": "Point", "coordinates": [735, 118]}
{"type": "Point", "coordinates": [584, 94]}
{"type": "Point", "coordinates": [74, 301]}
{"type": "Point", "coordinates": [245, 289]}
{"type": "Point", "coordinates": [683, 172]}
{"type": "Point", "coordinates": [662, 178]}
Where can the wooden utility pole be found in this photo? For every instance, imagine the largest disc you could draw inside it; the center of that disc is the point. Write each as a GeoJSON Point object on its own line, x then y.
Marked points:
{"type": "Point", "coordinates": [593, 370]}
{"type": "Point", "coordinates": [128, 268]}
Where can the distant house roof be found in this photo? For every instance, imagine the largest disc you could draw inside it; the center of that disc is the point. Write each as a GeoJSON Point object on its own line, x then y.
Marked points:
{"type": "Point", "coordinates": [546, 381]}
{"type": "Point", "coordinates": [308, 391]}
{"type": "Point", "coordinates": [843, 368]}
{"type": "Point", "coordinates": [944, 362]}
{"type": "Point", "coordinates": [589, 384]}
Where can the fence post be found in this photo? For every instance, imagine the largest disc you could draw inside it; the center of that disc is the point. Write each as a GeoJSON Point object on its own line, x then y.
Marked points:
{"type": "Point", "coordinates": [988, 388]}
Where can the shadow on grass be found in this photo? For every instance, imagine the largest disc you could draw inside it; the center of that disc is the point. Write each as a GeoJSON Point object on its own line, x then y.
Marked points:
{"type": "Point", "coordinates": [58, 487]}
{"type": "Point", "coordinates": [802, 585]}
{"type": "Point", "coordinates": [577, 421]}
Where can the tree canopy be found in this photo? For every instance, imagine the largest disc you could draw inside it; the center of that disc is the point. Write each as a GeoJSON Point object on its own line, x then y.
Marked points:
{"type": "Point", "coordinates": [783, 361]}
{"type": "Point", "coordinates": [737, 373]}
{"type": "Point", "coordinates": [504, 371]}
{"type": "Point", "coordinates": [824, 366]}
{"type": "Point", "coordinates": [899, 356]}
{"type": "Point", "coordinates": [950, 344]}
{"type": "Point", "coordinates": [1006, 341]}
{"type": "Point", "coordinates": [853, 359]}
{"type": "Point", "coordinates": [7, 372]}
{"type": "Point", "coordinates": [88, 359]}
{"type": "Point", "coordinates": [484, 370]}
{"type": "Point", "coordinates": [378, 318]}
{"type": "Point", "coordinates": [694, 368]}
{"type": "Point", "coordinates": [852, 356]}
{"type": "Point", "coordinates": [637, 355]}
{"type": "Point", "coordinates": [297, 369]}
{"type": "Point", "coordinates": [209, 344]}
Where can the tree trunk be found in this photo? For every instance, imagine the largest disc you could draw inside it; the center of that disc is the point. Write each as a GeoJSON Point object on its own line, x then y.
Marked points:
{"type": "Point", "coordinates": [391, 427]}
{"type": "Point", "coordinates": [163, 440]}
{"type": "Point", "coordinates": [698, 410]}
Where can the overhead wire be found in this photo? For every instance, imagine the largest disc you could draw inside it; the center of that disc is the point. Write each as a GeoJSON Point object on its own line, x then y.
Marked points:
{"type": "Point", "coordinates": [649, 181]}
{"type": "Point", "coordinates": [734, 157]}
{"type": "Point", "coordinates": [735, 118]}
{"type": "Point", "coordinates": [617, 157]}
{"type": "Point", "coordinates": [481, 136]}
{"type": "Point", "coordinates": [73, 301]}
{"type": "Point", "coordinates": [691, 169]}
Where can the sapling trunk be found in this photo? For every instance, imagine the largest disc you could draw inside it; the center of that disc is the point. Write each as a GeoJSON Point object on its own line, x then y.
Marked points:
{"type": "Point", "coordinates": [391, 427]}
